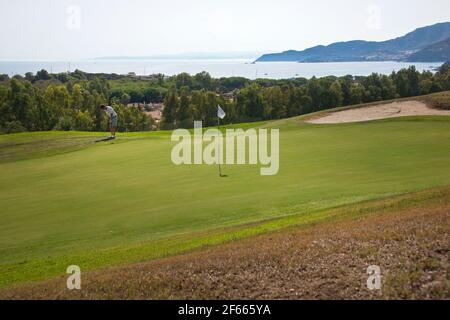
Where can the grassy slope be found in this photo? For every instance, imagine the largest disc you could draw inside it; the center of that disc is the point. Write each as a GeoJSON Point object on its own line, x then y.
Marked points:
{"type": "Point", "coordinates": [317, 257]}
{"type": "Point", "coordinates": [121, 202]}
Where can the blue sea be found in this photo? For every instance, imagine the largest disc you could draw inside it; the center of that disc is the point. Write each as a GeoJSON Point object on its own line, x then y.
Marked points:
{"type": "Point", "coordinates": [217, 68]}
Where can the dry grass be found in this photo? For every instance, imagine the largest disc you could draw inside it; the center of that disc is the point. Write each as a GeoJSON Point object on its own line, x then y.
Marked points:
{"type": "Point", "coordinates": [326, 261]}
{"type": "Point", "coordinates": [439, 100]}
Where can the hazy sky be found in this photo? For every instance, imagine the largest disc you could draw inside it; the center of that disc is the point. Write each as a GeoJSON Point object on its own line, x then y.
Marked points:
{"type": "Point", "coordinates": [71, 29]}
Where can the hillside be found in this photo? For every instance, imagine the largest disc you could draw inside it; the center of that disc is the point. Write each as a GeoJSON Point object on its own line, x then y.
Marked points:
{"type": "Point", "coordinates": [123, 202]}
{"type": "Point", "coordinates": [321, 260]}
{"type": "Point", "coordinates": [398, 49]}
{"type": "Point", "coordinates": [437, 52]}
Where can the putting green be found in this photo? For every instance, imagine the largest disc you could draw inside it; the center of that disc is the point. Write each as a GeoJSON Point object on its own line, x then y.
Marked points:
{"type": "Point", "coordinates": [89, 197]}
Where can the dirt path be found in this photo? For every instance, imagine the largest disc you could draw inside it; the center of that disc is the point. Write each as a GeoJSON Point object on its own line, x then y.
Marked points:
{"type": "Point", "coordinates": [327, 261]}
{"type": "Point", "coordinates": [382, 111]}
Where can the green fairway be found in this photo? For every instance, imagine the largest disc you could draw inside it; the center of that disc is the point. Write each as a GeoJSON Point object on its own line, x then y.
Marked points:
{"type": "Point", "coordinates": [63, 195]}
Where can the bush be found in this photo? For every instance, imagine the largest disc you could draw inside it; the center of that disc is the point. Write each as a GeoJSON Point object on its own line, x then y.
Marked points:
{"type": "Point", "coordinates": [83, 121]}
{"type": "Point", "coordinates": [12, 127]}
{"type": "Point", "coordinates": [440, 100]}
{"type": "Point", "coordinates": [64, 124]}
{"type": "Point", "coordinates": [186, 124]}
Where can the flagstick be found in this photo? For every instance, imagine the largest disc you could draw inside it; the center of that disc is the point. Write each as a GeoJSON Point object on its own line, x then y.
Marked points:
{"type": "Point", "coordinates": [218, 142]}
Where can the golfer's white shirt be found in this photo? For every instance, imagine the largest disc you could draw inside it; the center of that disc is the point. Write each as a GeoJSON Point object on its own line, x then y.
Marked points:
{"type": "Point", "coordinates": [110, 111]}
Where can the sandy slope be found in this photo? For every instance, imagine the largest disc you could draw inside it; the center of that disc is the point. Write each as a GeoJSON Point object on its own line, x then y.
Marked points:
{"type": "Point", "coordinates": [327, 261]}
{"type": "Point", "coordinates": [382, 111]}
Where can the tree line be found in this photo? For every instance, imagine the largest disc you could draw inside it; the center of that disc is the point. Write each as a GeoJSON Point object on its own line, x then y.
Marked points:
{"type": "Point", "coordinates": [265, 99]}
{"type": "Point", "coordinates": [70, 101]}
{"type": "Point", "coordinates": [61, 102]}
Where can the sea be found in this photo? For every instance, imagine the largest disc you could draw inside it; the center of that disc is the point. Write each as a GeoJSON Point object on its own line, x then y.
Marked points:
{"type": "Point", "coordinates": [217, 68]}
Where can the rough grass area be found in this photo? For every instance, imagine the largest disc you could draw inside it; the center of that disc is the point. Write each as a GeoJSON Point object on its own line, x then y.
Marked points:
{"type": "Point", "coordinates": [407, 236]}
{"type": "Point", "coordinates": [439, 100]}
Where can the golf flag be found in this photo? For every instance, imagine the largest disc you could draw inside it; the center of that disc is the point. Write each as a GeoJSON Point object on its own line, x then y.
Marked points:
{"type": "Point", "coordinates": [220, 113]}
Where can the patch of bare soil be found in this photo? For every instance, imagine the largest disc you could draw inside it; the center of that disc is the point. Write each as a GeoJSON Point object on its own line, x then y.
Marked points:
{"type": "Point", "coordinates": [382, 111]}
{"type": "Point", "coordinates": [326, 261]}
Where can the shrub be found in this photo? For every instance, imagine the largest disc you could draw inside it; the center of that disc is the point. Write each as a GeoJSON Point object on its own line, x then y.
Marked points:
{"type": "Point", "coordinates": [440, 100]}
{"type": "Point", "coordinates": [64, 124]}
{"type": "Point", "coordinates": [12, 127]}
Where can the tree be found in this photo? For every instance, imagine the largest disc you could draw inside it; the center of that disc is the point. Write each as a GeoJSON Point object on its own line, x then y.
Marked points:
{"type": "Point", "coordinates": [372, 84]}
{"type": "Point", "coordinates": [413, 78]}
{"type": "Point", "coordinates": [254, 106]}
{"type": "Point", "coordinates": [306, 103]}
{"type": "Point", "coordinates": [30, 76]}
{"type": "Point", "coordinates": [71, 101]}
{"type": "Point", "coordinates": [170, 109]}
{"type": "Point", "coordinates": [336, 97]}
{"type": "Point", "coordinates": [42, 75]}
{"type": "Point", "coordinates": [136, 96]}
{"type": "Point", "coordinates": [183, 113]}
{"type": "Point", "coordinates": [203, 80]}
{"type": "Point", "coordinates": [407, 82]}
{"type": "Point", "coordinates": [83, 121]}
{"type": "Point", "coordinates": [294, 104]}
{"type": "Point", "coordinates": [388, 89]}
{"type": "Point", "coordinates": [442, 79]}
{"type": "Point", "coordinates": [357, 93]}
{"type": "Point", "coordinates": [125, 99]}
{"type": "Point", "coordinates": [100, 85]}
{"type": "Point", "coordinates": [233, 83]}
{"type": "Point", "coordinates": [346, 87]}
{"type": "Point", "coordinates": [210, 109]}
{"type": "Point", "coordinates": [63, 77]}
{"type": "Point", "coordinates": [56, 103]}
{"type": "Point", "coordinates": [21, 94]}
{"type": "Point", "coordinates": [77, 98]}
{"type": "Point", "coordinates": [160, 78]}
{"type": "Point", "coordinates": [315, 92]}
{"type": "Point", "coordinates": [183, 80]}
{"type": "Point", "coordinates": [274, 107]}
{"type": "Point", "coordinates": [153, 94]}
{"type": "Point", "coordinates": [6, 113]}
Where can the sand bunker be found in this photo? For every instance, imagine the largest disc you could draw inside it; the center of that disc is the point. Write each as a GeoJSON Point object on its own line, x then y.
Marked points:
{"type": "Point", "coordinates": [382, 111]}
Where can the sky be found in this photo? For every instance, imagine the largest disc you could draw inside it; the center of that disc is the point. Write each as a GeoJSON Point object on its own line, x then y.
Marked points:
{"type": "Point", "coordinates": [78, 29]}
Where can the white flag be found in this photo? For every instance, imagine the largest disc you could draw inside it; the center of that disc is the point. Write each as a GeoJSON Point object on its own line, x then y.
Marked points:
{"type": "Point", "coordinates": [220, 113]}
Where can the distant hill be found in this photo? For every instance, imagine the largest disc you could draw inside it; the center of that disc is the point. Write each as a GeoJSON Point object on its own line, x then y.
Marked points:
{"type": "Point", "coordinates": [399, 49]}
{"type": "Point", "coordinates": [437, 52]}
{"type": "Point", "coordinates": [190, 56]}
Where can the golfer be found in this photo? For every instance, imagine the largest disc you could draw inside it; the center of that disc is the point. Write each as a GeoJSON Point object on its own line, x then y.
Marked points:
{"type": "Point", "coordinates": [112, 120]}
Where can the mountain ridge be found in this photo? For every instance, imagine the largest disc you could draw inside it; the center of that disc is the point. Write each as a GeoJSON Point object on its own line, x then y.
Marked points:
{"type": "Point", "coordinates": [397, 49]}
{"type": "Point", "coordinates": [437, 52]}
